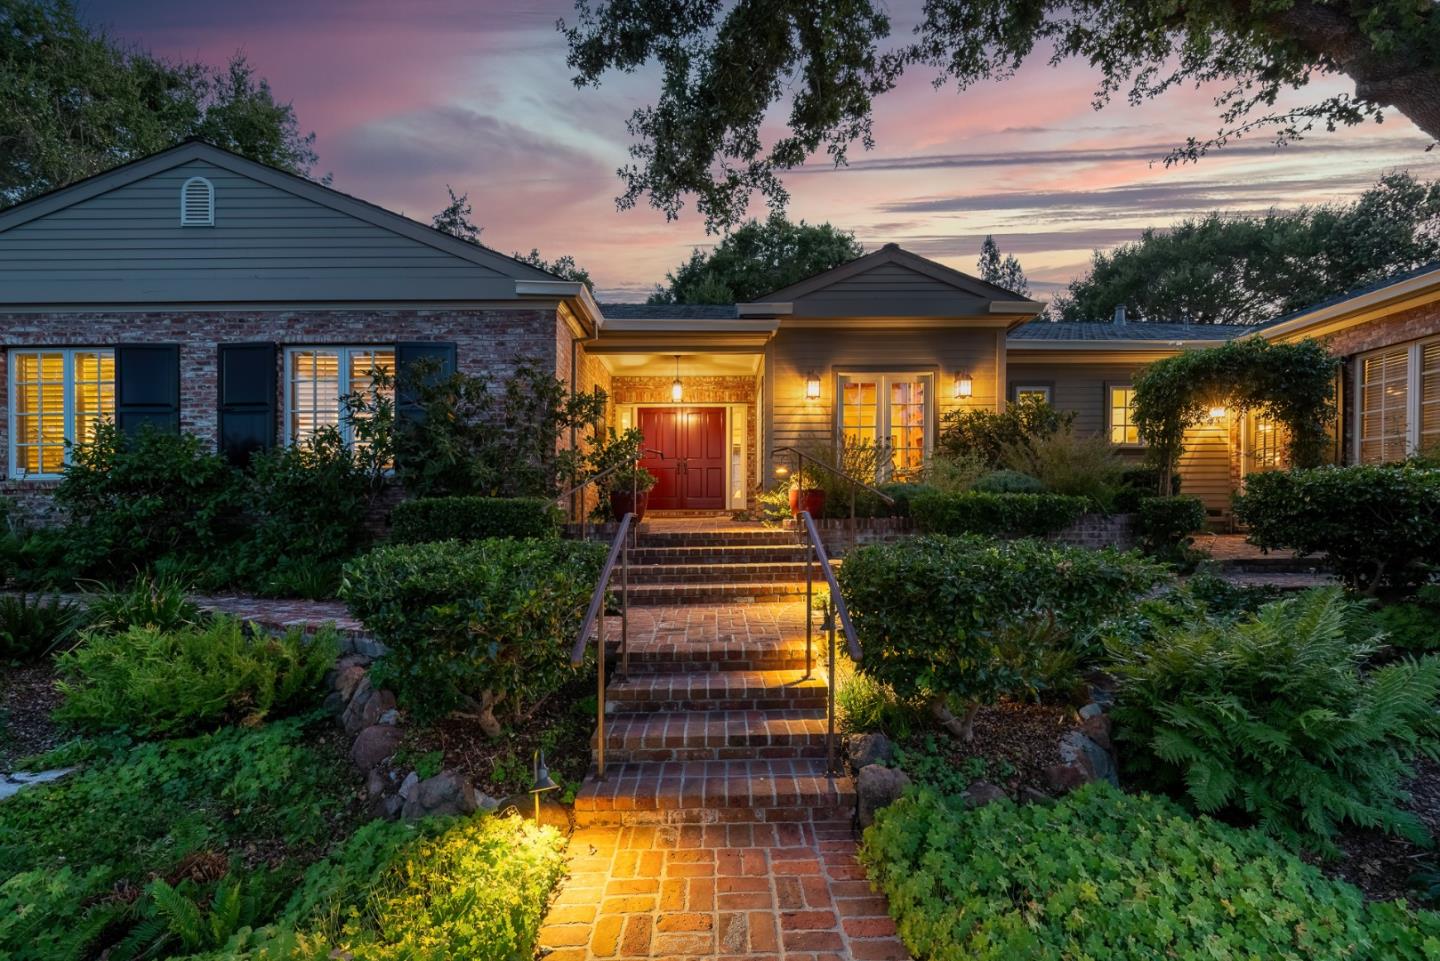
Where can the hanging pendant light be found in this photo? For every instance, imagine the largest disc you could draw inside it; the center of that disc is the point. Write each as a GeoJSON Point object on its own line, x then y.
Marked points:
{"type": "Point", "coordinates": [677, 391]}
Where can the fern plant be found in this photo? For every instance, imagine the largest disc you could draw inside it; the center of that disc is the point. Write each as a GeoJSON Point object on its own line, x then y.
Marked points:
{"type": "Point", "coordinates": [31, 627]}
{"type": "Point", "coordinates": [1274, 716]}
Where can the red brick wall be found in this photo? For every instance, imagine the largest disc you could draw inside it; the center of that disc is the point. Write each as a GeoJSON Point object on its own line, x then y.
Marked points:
{"type": "Point", "coordinates": [1396, 328]}
{"type": "Point", "coordinates": [487, 341]}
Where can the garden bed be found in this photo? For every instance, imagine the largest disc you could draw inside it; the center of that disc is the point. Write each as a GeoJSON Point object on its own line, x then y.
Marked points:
{"type": "Point", "coordinates": [27, 698]}
{"type": "Point", "coordinates": [1382, 865]}
{"type": "Point", "coordinates": [1014, 745]}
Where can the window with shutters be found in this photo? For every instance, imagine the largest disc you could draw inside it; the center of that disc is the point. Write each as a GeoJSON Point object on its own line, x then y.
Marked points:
{"type": "Point", "coordinates": [1384, 399]}
{"type": "Point", "coordinates": [57, 398]}
{"type": "Point", "coordinates": [197, 203]}
{"type": "Point", "coordinates": [1430, 397]}
{"type": "Point", "coordinates": [316, 378]}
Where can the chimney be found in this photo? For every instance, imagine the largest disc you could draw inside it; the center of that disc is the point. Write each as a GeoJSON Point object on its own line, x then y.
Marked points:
{"type": "Point", "coordinates": [1120, 314]}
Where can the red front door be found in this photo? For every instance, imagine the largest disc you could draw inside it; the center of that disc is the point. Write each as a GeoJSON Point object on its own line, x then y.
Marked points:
{"type": "Point", "coordinates": [690, 470]}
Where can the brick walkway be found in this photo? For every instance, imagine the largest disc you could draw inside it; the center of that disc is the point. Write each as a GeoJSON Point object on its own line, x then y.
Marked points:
{"type": "Point", "coordinates": [754, 891]}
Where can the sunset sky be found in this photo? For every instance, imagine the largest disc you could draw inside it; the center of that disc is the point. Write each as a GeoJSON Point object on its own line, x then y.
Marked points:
{"type": "Point", "coordinates": [406, 96]}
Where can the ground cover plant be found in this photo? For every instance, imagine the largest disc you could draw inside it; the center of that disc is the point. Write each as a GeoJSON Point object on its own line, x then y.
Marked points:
{"type": "Point", "coordinates": [32, 626]}
{"type": "Point", "coordinates": [149, 680]}
{"type": "Point", "coordinates": [1101, 874]}
{"type": "Point", "coordinates": [1274, 719]}
{"type": "Point", "coordinates": [486, 626]}
{"type": "Point", "coordinates": [965, 620]}
{"type": "Point", "coordinates": [1411, 626]}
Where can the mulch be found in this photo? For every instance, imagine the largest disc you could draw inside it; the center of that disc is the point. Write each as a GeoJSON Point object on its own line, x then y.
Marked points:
{"type": "Point", "coordinates": [27, 697]}
{"type": "Point", "coordinates": [1018, 741]}
{"type": "Point", "coordinates": [1382, 865]}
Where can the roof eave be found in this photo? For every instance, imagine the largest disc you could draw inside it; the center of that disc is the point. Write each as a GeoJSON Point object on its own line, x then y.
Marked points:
{"type": "Point", "coordinates": [1337, 313]}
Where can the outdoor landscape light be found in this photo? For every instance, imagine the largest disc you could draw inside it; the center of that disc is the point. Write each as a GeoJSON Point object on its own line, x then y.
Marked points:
{"type": "Point", "coordinates": [542, 782]}
{"type": "Point", "coordinates": [677, 391]}
{"type": "Point", "coordinates": [964, 384]}
{"type": "Point", "coordinates": [812, 386]}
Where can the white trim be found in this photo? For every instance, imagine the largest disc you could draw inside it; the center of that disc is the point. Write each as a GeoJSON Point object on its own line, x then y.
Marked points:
{"type": "Point", "coordinates": [342, 378]}
{"type": "Point", "coordinates": [1372, 298]}
{"type": "Point", "coordinates": [1048, 390]}
{"type": "Point", "coordinates": [883, 427]}
{"type": "Point", "coordinates": [67, 416]}
{"type": "Point", "coordinates": [190, 217]}
{"type": "Point", "coordinates": [1114, 385]}
{"type": "Point", "coordinates": [1414, 394]}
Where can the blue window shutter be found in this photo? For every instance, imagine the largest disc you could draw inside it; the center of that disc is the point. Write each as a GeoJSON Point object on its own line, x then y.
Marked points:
{"type": "Point", "coordinates": [246, 400]}
{"type": "Point", "coordinates": [147, 387]}
{"type": "Point", "coordinates": [440, 356]}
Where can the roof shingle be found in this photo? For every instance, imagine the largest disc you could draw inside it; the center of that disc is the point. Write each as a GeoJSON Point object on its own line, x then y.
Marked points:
{"type": "Point", "coordinates": [1075, 330]}
{"type": "Point", "coordinates": [670, 311]}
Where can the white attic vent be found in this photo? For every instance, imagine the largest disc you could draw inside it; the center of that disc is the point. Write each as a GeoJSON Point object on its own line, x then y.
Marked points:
{"type": "Point", "coordinates": [197, 203]}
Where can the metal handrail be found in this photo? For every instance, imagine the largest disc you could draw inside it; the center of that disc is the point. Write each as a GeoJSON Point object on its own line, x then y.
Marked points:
{"type": "Point", "coordinates": [855, 483]}
{"type": "Point", "coordinates": [619, 549]}
{"type": "Point", "coordinates": [835, 613]}
{"type": "Point", "coordinates": [584, 533]}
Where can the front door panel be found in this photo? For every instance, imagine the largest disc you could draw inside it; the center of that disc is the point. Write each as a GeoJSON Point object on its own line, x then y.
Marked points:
{"type": "Point", "coordinates": [691, 473]}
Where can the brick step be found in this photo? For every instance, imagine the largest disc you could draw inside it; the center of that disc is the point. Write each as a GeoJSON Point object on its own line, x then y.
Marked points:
{"type": "Point", "coordinates": [751, 592]}
{"type": "Point", "coordinates": [645, 538]}
{"type": "Point", "coordinates": [683, 656]}
{"type": "Point", "coordinates": [698, 792]}
{"type": "Point", "coordinates": [724, 573]}
{"type": "Point", "coordinates": [714, 736]}
{"type": "Point", "coordinates": [716, 691]}
{"type": "Point", "coordinates": [718, 554]}
{"type": "Point", "coordinates": [1274, 564]}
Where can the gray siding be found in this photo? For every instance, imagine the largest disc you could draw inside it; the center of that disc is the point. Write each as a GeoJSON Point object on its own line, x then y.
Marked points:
{"type": "Point", "coordinates": [1205, 466]}
{"type": "Point", "coordinates": [791, 420]}
{"type": "Point", "coordinates": [267, 244]}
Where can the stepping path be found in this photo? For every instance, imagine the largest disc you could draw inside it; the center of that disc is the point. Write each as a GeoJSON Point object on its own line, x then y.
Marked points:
{"type": "Point", "coordinates": [717, 831]}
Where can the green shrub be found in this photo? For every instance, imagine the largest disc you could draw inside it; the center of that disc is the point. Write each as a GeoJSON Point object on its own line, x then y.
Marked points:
{"type": "Point", "coordinates": [487, 624]}
{"type": "Point", "coordinates": [148, 601]}
{"type": "Point", "coordinates": [1101, 874]}
{"type": "Point", "coordinates": [31, 627]}
{"type": "Point", "coordinates": [1379, 526]}
{"type": "Point", "coordinates": [1006, 481]}
{"type": "Point", "coordinates": [1272, 717]}
{"type": "Point", "coordinates": [970, 619]}
{"type": "Point", "coordinates": [1411, 626]}
{"type": "Point", "coordinates": [985, 433]}
{"type": "Point", "coordinates": [902, 495]}
{"type": "Point", "coordinates": [76, 855]}
{"type": "Point", "coordinates": [1067, 463]}
{"type": "Point", "coordinates": [1137, 483]}
{"type": "Point", "coordinates": [955, 471]}
{"type": "Point", "coordinates": [150, 681]}
{"type": "Point", "coordinates": [426, 519]}
{"type": "Point", "coordinates": [1165, 524]}
{"type": "Point", "coordinates": [132, 499]}
{"type": "Point", "coordinates": [1006, 515]}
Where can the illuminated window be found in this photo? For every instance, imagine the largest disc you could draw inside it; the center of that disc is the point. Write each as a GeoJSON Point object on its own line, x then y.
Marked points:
{"type": "Point", "coordinates": [56, 397]}
{"type": "Point", "coordinates": [1122, 415]}
{"type": "Point", "coordinates": [891, 411]}
{"type": "Point", "coordinates": [1384, 406]}
{"type": "Point", "coordinates": [1268, 444]}
{"type": "Point", "coordinates": [318, 377]}
{"type": "Point", "coordinates": [1040, 392]}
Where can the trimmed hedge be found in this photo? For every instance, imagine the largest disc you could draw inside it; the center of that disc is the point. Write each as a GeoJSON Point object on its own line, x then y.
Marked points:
{"type": "Point", "coordinates": [1379, 526]}
{"type": "Point", "coordinates": [1006, 515]}
{"type": "Point", "coordinates": [487, 624]}
{"type": "Point", "coordinates": [1165, 524]}
{"type": "Point", "coordinates": [423, 520]}
{"type": "Point", "coordinates": [1102, 874]}
{"type": "Point", "coordinates": [972, 618]}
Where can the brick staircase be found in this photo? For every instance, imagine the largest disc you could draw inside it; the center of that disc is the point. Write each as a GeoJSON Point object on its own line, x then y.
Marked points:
{"type": "Point", "coordinates": [717, 721]}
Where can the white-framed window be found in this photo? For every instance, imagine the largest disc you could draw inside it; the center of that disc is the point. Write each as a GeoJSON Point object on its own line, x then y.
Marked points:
{"type": "Point", "coordinates": [316, 378]}
{"type": "Point", "coordinates": [1397, 402]}
{"type": "Point", "coordinates": [197, 203]}
{"type": "Point", "coordinates": [1120, 415]}
{"type": "Point", "coordinates": [58, 396]}
{"type": "Point", "coordinates": [1040, 392]}
{"type": "Point", "coordinates": [892, 411]}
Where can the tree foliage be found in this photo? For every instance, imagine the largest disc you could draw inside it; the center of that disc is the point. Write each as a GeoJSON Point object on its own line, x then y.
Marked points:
{"type": "Point", "coordinates": [1289, 384]}
{"type": "Point", "coordinates": [756, 259]}
{"type": "Point", "coordinates": [77, 103]}
{"type": "Point", "coordinates": [1005, 272]}
{"type": "Point", "coordinates": [563, 266]}
{"type": "Point", "coordinates": [454, 218]}
{"type": "Point", "coordinates": [1220, 269]}
{"type": "Point", "coordinates": [725, 66]}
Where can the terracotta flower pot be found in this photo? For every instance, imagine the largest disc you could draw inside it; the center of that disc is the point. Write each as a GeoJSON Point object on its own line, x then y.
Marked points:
{"type": "Point", "coordinates": [810, 499]}
{"type": "Point", "coordinates": [623, 502]}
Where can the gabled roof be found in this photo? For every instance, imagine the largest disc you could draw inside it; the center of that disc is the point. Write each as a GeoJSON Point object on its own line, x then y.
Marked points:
{"type": "Point", "coordinates": [1042, 330]}
{"type": "Point", "coordinates": [1393, 293]}
{"type": "Point", "coordinates": [195, 149]}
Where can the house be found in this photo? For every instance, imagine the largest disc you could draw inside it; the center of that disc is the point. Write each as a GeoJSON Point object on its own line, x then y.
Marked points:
{"type": "Point", "coordinates": [202, 292]}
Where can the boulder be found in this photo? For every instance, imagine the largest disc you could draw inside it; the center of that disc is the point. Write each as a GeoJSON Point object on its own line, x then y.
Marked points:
{"type": "Point", "coordinates": [377, 705]}
{"type": "Point", "coordinates": [347, 680]}
{"type": "Point", "coordinates": [374, 744]}
{"type": "Point", "coordinates": [981, 793]}
{"type": "Point", "coordinates": [410, 786]}
{"type": "Point", "coordinates": [1066, 777]}
{"type": "Point", "coordinates": [1097, 729]}
{"type": "Point", "coordinates": [375, 783]}
{"type": "Point", "coordinates": [448, 792]}
{"type": "Point", "coordinates": [877, 787]}
{"type": "Point", "coordinates": [1076, 748]}
{"type": "Point", "coordinates": [867, 749]}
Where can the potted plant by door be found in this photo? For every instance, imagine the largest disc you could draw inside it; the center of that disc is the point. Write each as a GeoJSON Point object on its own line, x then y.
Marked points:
{"type": "Point", "coordinates": [806, 495]}
{"type": "Point", "coordinates": [629, 489]}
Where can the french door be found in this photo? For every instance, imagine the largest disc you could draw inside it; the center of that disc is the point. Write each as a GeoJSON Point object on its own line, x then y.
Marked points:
{"type": "Point", "coordinates": [892, 411]}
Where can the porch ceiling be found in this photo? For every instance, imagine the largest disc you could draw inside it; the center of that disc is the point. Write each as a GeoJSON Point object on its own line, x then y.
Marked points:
{"type": "Point", "coordinates": [694, 364]}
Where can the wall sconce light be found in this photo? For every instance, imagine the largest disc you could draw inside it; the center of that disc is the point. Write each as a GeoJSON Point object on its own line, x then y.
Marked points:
{"type": "Point", "coordinates": [677, 390]}
{"type": "Point", "coordinates": [1217, 414]}
{"type": "Point", "coordinates": [812, 385]}
{"type": "Point", "coordinates": [964, 384]}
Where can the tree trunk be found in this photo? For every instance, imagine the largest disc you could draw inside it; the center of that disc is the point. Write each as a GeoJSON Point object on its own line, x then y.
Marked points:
{"type": "Point", "coordinates": [961, 727]}
{"type": "Point", "coordinates": [488, 723]}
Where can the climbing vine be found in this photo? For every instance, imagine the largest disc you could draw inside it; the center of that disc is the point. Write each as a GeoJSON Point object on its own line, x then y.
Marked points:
{"type": "Point", "coordinates": [1291, 384]}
